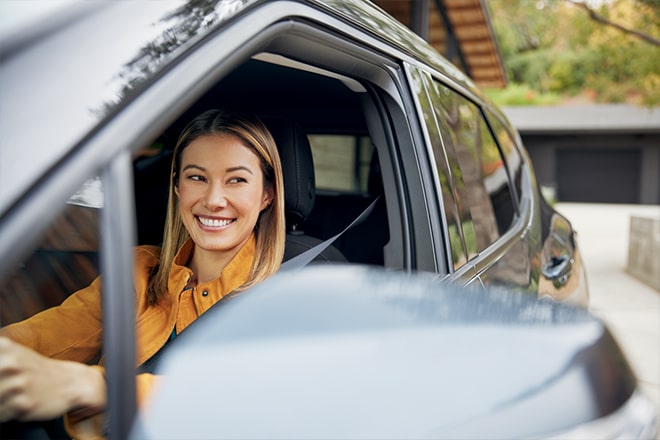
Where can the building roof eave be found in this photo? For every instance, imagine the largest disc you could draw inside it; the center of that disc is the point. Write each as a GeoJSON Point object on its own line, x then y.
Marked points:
{"type": "Point", "coordinates": [604, 118]}
{"type": "Point", "coordinates": [460, 30]}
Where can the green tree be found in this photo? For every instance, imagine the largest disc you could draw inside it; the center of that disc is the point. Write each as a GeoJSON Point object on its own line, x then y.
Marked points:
{"type": "Point", "coordinates": [611, 54]}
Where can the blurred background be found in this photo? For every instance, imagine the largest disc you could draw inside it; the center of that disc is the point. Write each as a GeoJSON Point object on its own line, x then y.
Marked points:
{"type": "Point", "coordinates": [580, 80]}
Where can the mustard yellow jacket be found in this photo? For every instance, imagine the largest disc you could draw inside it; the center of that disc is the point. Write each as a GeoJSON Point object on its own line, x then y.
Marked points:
{"type": "Point", "coordinates": [73, 330]}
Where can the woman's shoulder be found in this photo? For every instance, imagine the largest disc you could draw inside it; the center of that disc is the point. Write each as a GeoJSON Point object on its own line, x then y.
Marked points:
{"type": "Point", "coordinates": [147, 256]}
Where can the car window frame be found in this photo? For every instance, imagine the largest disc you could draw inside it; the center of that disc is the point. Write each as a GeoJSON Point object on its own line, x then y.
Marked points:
{"type": "Point", "coordinates": [465, 274]}
{"type": "Point", "coordinates": [387, 110]}
{"type": "Point", "coordinates": [516, 184]}
{"type": "Point", "coordinates": [523, 203]}
{"type": "Point", "coordinates": [118, 238]}
{"type": "Point", "coordinates": [489, 140]}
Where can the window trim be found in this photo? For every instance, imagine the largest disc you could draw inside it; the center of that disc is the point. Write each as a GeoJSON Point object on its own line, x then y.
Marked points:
{"type": "Point", "coordinates": [488, 115]}
{"type": "Point", "coordinates": [435, 199]}
{"type": "Point", "coordinates": [383, 103]}
{"type": "Point", "coordinates": [118, 238]}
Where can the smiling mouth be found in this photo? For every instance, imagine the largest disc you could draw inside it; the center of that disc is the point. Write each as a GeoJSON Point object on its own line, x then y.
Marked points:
{"type": "Point", "coordinates": [214, 222]}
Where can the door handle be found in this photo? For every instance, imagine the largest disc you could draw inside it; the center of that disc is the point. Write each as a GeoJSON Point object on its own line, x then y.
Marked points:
{"type": "Point", "coordinates": [558, 269]}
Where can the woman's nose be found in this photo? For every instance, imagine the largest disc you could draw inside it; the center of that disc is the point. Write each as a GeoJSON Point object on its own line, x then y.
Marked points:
{"type": "Point", "coordinates": [215, 197]}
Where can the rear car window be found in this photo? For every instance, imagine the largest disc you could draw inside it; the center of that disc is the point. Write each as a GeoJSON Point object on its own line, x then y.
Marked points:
{"type": "Point", "coordinates": [341, 162]}
{"type": "Point", "coordinates": [509, 150]}
{"type": "Point", "coordinates": [478, 174]}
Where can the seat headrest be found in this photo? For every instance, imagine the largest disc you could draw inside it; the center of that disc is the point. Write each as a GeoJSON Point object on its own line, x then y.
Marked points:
{"type": "Point", "coordinates": [297, 166]}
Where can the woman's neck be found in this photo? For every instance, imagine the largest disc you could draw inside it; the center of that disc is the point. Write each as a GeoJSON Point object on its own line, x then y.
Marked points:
{"type": "Point", "coordinates": [208, 266]}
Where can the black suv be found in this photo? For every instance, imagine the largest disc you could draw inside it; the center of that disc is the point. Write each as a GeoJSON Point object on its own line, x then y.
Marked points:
{"type": "Point", "coordinates": [365, 114]}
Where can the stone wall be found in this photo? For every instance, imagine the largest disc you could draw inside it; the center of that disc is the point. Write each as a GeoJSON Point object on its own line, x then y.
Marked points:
{"type": "Point", "coordinates": [644, 250]}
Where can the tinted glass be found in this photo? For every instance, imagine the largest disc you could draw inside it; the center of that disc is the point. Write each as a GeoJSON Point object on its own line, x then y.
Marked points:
{"type": "Point", "coordinates": [509, 150]}
{"type": "Point", "coordinates": [341, 162]}
{"type": "Point", "coordinates": [450, 199]}
{"type": "Point", "coordinates": [478, 172]}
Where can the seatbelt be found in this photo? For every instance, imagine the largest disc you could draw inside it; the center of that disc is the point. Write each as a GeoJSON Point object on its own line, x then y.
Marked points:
{"type": "Point", "coordinates": [301, 260]}
{"type": "Point", "coordinates": [297, 262]}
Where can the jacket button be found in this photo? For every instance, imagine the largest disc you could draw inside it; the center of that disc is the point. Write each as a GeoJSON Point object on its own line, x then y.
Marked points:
{"type": "Point", "coordinates": [205, 293]}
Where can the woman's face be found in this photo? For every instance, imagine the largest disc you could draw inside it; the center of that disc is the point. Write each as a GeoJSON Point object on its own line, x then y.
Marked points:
{"type": "Point", "coordinates": [221, 192]}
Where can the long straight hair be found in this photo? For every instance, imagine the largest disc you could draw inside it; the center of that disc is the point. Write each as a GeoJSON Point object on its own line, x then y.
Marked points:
{"type": "Point", "coordinates": [270, 227]}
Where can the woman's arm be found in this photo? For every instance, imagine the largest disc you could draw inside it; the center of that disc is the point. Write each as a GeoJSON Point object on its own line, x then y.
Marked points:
{"type": "Point", "coordinates": [72, 331]}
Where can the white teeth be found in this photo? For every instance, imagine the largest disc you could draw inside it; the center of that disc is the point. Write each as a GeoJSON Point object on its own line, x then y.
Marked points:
{"type": "Point", "coordinates": [214, 222]}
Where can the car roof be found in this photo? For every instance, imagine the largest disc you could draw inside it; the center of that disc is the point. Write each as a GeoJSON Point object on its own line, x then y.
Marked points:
{"type": "Point", "coordinates": [65, 75]}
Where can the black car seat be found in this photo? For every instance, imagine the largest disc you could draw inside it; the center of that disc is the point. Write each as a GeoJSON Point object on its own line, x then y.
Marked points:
{"type": "Point", "coordinates": [365, 242]}
{"type": "Point", "coordinates": [151, 176]}
{"type": "Point", "coordinates": [299, 188]}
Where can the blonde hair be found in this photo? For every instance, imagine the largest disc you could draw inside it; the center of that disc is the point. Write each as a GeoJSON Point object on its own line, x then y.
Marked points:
{"type": "Point", "coordinates": [270, 227]}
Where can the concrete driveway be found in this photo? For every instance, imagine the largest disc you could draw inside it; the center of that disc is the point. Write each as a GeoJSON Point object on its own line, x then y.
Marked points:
{"type": "Point", "coordinates": [630, 308]}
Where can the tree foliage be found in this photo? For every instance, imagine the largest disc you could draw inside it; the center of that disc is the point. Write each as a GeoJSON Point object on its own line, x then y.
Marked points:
{"type": "Point", "coordinates": [574, 48]}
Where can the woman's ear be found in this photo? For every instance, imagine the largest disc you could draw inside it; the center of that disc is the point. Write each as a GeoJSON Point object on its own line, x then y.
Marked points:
{"type": "Point", "coordinates": [175, 182]}
{"type": "Point", "coordinates": [268, 197]}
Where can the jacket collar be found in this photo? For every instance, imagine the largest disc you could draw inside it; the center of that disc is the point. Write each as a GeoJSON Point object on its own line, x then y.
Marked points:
{"type": "Point", "coordinates": [235, 274]}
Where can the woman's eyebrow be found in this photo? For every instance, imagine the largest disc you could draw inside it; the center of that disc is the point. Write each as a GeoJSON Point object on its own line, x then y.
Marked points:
{"type": "Point", "coordinates": [192, 165]}
{"type": "Point", "coordinates": [240, 167]}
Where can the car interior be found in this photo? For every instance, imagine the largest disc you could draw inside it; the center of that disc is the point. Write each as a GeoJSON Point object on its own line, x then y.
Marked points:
{"type": "Point", "coordinates": [295, 105]}
{"type": "Point", "coordinates": [299, 107]}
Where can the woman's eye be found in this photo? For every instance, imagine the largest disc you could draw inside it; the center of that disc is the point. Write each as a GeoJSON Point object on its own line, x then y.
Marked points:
{"type": "Point", "coordinates": [237, 180]}
{"type": "Point", "coordinates": [196, 178]}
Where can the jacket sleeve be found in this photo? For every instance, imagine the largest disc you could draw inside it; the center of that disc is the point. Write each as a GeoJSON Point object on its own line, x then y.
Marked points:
{"type": "Point", "coordinates": [74, 330]}
{"type": "Point", "coordinates": [92, 427]}
{"type": "Point", "coordinates": [71, 331]}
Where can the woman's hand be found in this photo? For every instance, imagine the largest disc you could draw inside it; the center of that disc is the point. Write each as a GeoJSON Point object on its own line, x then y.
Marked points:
{"type": "Point", "coordinates": [35, 387]}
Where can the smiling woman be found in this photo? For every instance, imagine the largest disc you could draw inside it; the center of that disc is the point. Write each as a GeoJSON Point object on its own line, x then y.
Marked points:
{"type": "Point", "coordinates": [224, 233]}
{"type": "Point", "coordinates": [418, 175]}
{"type": "Point", "coordinates": [206, 187]}
{"type": "Point", "coordinates": [220, 201]}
